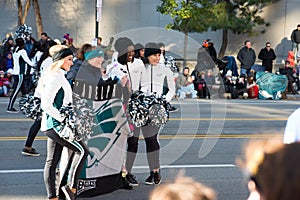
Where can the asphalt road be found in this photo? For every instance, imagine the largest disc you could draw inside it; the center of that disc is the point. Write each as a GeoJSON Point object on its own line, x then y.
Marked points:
{"type": "Point", "coordinates": [203, 139]}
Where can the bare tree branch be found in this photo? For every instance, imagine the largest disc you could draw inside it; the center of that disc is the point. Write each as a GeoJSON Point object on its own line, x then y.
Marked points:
{"type": "Point", "coordinates": [38, 17]}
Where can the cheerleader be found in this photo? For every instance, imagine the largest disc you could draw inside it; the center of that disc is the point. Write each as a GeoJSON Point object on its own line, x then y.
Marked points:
{"type": "Point", "coordinates": [56, 92]}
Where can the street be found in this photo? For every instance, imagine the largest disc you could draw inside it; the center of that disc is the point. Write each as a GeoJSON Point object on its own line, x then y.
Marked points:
{"type": "Point", "coordinates": [202, 139]}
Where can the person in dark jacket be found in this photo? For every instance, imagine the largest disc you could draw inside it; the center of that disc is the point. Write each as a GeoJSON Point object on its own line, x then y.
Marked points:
{"type": "Point", "coordinates": [247, 57]}
{"type": "Point", "coordinates": [267, 55]}
{"type": "Point", "coordinates": [210, 49]}
{"type": "Point", "coordinates": [295, 37]}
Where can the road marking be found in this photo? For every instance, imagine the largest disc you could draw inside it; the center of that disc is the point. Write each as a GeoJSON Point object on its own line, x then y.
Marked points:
{"type": "Point", "coordinates": [229, 119]}
{"type": "Point", "coordinates": [189, 166]}
{"type": "Point", "coordinates": [183, 119]}
{"type": "Point", "coordinates": [21, 171]}
{"type": "Point", "coordinates": [134, 167]}
{"type": "Point", "coordinates": [16, 120]}
{"type": "Point", "coordinates": [174, 136]}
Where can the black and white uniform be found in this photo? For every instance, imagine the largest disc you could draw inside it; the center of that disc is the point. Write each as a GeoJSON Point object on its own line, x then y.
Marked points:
{"type": "Point", "coordinates": [152, 80]}
{"type": "Point", "coordinates": [21, 60]}
{"type": "Point", "coordinates": [56, 92]}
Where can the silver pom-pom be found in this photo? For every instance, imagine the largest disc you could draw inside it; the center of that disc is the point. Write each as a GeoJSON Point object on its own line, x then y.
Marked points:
{"type": "Point", "coordinates": [31, 107]}
{"type": "Point", "coordinates": [23, 31]}
{"type": "Point", "coordinates": [144, 110]}
{"type": "Point", "coordinates": [67, 128]}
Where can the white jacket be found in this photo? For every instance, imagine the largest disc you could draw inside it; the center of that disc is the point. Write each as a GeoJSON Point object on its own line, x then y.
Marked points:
{"type": "Point", "coordinates": [153, 80]}
{"type": "Point", "coordinates": [136, 69]}
{"type": "Point", "coordinates": [16, 58]}
{"type": "Point", "coordinates": [52, 83]}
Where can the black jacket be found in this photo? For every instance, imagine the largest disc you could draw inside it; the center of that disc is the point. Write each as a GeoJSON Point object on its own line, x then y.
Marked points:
{"type": "Point", "coordinates": [247, 57]}
{"type": "Point", "coordinates": [295, 37]}
{"type": "Point", "coordinates": [90, 85]}
{"type": "Point", "coordinates": [267, 57]}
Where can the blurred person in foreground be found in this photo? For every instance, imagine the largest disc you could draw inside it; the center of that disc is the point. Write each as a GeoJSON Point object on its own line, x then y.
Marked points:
{"type": "Point", "coordinates": [292, 128]}
{"type": "Point", "coordinates": [272, 168]}
{"type": "Point", "coordinates": [183, 188]}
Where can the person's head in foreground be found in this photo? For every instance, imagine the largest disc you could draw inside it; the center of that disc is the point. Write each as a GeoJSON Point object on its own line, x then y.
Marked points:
{"type": "Point", "coordinates": [273, 168]}
{"type": "Point", "coordinates": [183, 188]}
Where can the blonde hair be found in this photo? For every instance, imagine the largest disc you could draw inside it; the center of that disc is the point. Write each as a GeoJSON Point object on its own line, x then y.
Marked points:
{"type": "Point", "coordinates": [184, 188]}
{"type": "Point", "coordinates": [55, 66]}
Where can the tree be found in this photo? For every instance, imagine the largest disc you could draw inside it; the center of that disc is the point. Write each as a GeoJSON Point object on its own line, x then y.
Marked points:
{"type": "Point", "coordinates": [23, 15]}
{"type": "Point", "coordinates": [187, 17]}
{"type": "Point", "coordinates": [238, 16]}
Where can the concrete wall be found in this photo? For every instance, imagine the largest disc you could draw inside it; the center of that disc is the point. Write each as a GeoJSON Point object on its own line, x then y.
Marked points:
{"type": "Point", "coordinates": [131, 17]}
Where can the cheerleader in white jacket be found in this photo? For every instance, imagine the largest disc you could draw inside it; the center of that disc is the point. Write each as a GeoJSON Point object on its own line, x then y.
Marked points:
{"type": "Point", "coordinates": [56, 92]}
{"type": "Point", "coordinates": [152, 80]}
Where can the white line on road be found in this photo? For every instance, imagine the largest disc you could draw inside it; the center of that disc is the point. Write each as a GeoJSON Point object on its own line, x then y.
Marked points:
{"type": "Point", "coordinates": [20, 171]}
{"type": "Point", "coordinates": [135, 167]}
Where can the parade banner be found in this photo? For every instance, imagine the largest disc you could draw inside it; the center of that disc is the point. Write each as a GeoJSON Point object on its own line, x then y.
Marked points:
{"type": "Point", "coordinates": [109, 130]}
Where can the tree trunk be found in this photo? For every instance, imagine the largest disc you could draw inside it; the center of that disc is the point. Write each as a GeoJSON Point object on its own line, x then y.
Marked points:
{"type": "Point", "coordinates": [22, 17]}
{"type": "Point", "coordinates": [185, 46]}
{"type": "Point", "coordinates": [20, 9]}
{"type": "Point", "coordinates": [27, 6]}
{"type": "Point", "coordinates": [224, 43]}
{"type": "Point", "coordinates": [38, 17]}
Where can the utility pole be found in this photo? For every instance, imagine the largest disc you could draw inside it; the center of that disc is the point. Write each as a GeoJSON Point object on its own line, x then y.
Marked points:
{"type": "Point", "coordinates": [98, 16]}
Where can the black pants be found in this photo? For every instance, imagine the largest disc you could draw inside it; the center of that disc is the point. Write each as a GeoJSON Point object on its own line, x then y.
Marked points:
{"type": "Point", "coordinates": [150, 134]}
{"type": "Point", "coordinates": [55, 146]}
{"type": "Point", "coordinates": [17, 86]}
{"type": "Point", "coordinates": [33, 131]}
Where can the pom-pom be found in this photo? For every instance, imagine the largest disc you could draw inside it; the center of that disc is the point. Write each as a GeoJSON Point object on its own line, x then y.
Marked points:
{"type": "Point", "coordinates": [31, 107]}
{"type": "Point", "coordinates": [144, 110]}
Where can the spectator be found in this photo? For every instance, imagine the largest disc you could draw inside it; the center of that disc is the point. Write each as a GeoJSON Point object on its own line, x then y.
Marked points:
{"type": "Point", "coordinates": [272, 168]}
{"type": "Point", "coordinates": [183, 188]}
{"type": "Point", "coordinates": [71, 46]}
{"type": "Point", "coordinates": [29, 42]}
{"type": "Point", "coordinates": [103, 47]}
{"type": "Point", "coordinates": [241, 87]}
{"type": "Point", "coordinates": [267, 55]}
{"type": "Point", "coordinates": [252, 87]}
{"type": "Point", "coordinates": [288, 70]}
{"type": "Point", "coordinates": [8, 61]}
{"type": "Point", "coordinates": [44, 38]}
{"type": "Point", "coordinates": [8, 75]}
{"type": "Point", "coordinates": [65, 38]}
{"type": "Point", "coordinates": [71, 75]}
{"type": "Point", "coordinates": [201, 85]}
{"type": "Point", "coordinates": [8, 45]}
{"type": "Point", "coordinates": [210, 80]}
{"type": "Point", "coordinates": [184, 85]}
{"type": "Point", "coordinates": [4, 84]}
{"type": "Point", "coordinates": [162, 61]}
{"type": "Point", "coordinates": [229, 83]}
{"type": "Point", "coordinates": [246, 56]}
{"type": "Point", "coordinates": [208, 45]}
{"type": "Point", "coordinates": [295, 37]}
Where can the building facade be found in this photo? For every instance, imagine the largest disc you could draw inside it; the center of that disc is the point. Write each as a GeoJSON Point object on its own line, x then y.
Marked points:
{"type": "Point", "coordinates": [138, 20]}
